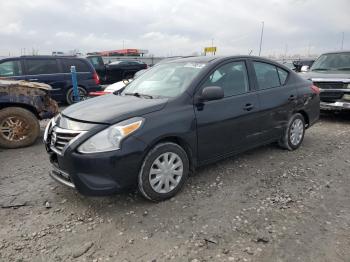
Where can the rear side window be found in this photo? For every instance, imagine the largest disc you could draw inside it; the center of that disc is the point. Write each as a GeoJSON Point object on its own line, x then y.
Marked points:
{"type": "Point", "coordinates": [80, 66]}
{"type": "Point", "coordinates": [10, 68]}
{"type": "Point", "coordinates": [283, 74]}
{"type": "Point", "coordinates": [96, 61]}
{"type": "Point", "coordinates": [266, 75]}
{"type": "Point", "coordinates": [41, 66]}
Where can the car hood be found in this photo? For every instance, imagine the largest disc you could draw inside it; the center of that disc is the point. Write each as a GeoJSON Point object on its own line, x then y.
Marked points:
{"type": "Point", "coordinates": [110, 109]}
{"type": "Point", "coordinates": [326, 76]}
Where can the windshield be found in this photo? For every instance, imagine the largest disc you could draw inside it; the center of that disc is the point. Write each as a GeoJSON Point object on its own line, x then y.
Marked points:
{"type": "Point", "coordinates": [164, 80]}
{"type": "Point", "coordinates": [337, 61]}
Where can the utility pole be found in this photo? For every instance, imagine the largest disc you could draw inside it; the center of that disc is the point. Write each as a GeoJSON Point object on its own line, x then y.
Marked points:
{"type": "Point", "coordinates": [123, 44]}
{"type": "Point", "coordinates": [261, 36]}
{"type": "Point", "coordinates": [342, 41]}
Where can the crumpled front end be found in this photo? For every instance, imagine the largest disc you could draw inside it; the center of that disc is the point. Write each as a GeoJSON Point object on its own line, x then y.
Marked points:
{"type": "Point", "coordinates": [29, 93]}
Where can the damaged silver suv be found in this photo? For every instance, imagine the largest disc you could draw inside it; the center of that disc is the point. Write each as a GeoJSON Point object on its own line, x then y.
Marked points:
{"type": "Point", "coordinates": [331, 73]}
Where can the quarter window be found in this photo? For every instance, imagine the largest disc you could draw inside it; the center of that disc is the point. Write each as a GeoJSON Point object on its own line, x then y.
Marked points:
{"type": "Point", "coordinates": [231, 77]}
{"type": "Point", "coordinates": [10, 68]}
{"type": "Point", "coordinates": [283, 74]}
{"type": "Point", "coordinates": [266, 75]}
{"type": "Point", "coordinates": [41, 66]}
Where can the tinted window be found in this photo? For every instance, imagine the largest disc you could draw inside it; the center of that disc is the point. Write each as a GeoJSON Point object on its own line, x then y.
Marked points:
{"type": "Point", "coordinates": [96, 61]}
{"type": "Point", "coordinates": [80, 66]}
{"type": "Point", "coordinates": [232, 77]}
{"type": "Point", "coordinates": [41, 66]}
{"type": "Point", "coordinates": [10, 68]}
{"type": "Point", "coordinates": [266, 75]}
{"type": "Point", "coordinates": [283, 74]}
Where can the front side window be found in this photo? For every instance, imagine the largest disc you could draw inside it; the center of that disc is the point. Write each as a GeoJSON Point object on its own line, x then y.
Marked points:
{"type": "Point", "coordinates": [266, 75]}
{"type": "Point", "coordinates": [165, 80]}
{"type": "Point", "coordinates": [10, 68]}
{"type": "Point", "coordinates": [231, 77]}
{"type": "Point", "coordinates": [41, 66]}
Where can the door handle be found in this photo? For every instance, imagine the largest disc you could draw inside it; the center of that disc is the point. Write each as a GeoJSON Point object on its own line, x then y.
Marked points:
{"type": "Point", "coordinates": [292, 98]}
{"type": "Point", "coordinates": [33, 79]}
{"type": "Point", "coordinates": [248, 107]}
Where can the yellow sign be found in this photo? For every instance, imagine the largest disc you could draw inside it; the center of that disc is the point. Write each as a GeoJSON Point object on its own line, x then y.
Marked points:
{"type": "Point", "coordinates": [210, 49]}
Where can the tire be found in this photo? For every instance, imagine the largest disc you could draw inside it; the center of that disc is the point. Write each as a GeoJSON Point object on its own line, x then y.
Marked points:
{"type": "Point", "coordinates": [165, 153]}
{"type": "Point", "coordinates": [287, 141]}
{"type": "Point", "coordinates": [18, 127]}
{"type": "Point", "coordinates": [70, 94]}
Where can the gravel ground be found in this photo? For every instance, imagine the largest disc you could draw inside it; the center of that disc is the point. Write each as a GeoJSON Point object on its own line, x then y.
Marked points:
{"type": "Point", "coordinates": [267, 204]}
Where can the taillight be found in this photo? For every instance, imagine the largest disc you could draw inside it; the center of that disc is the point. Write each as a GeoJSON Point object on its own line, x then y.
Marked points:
{"type": "Point", "coordinates": [96, 78]}
{"type": "Point", "coordinates": [315, 89]}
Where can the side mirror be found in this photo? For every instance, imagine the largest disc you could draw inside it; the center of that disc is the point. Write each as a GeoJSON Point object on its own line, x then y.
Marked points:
{"type": "Point", "coordinates": [305, 68]}
{"type": "Point", "coordinates": [212, 93]}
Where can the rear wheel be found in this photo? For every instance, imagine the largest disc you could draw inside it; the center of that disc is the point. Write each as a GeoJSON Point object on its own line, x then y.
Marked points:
{"type": "Point", "coordinates": [70, 95]}
{"type": "Point", "coordinates": [164, 172]}
{"type": "Point", "coordinates": [294, 133]}
{"type": "Point", "coordinates": [18, 127]}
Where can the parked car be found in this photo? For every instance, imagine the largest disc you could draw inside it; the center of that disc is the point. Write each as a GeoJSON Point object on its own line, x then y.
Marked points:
{"type": "Point", "coordinates": [54, 71]}
{"type": "Point", "coordinates": [115, 71]}
{"type": "Point", "coordinates": [22, 105]}
{"type": "Point", "coordinates": [303, 64]}
{"type": "Point", "coordinates": [331, 73]}
{"type": "Point", "coordinates": [177, 116]}
{"type": "Point", "coordinates": [116, 86]}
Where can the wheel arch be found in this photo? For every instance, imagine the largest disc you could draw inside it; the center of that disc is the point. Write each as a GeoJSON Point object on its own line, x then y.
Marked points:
{"type": "Point", "coordinates": [182, 143]}
{"type": "Point", "coordinates": [306, 117]}
{"type": "Point", "coordinates": [28, 107]}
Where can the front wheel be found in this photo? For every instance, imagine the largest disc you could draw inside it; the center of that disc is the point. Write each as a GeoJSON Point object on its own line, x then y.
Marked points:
{"type": "Point", "coordinates": [163, 172]}
{"type": "Point", "coordinates": [18, 127]}
{"type": "Point", "coordinates": [294, 133]}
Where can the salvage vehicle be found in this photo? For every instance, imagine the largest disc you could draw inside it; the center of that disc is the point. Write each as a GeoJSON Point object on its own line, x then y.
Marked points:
{"type": "Point", "coordinates": [54, 71]}
{"type": "Point", "coordinates": [22, 105]}
{"type": "Point", "coordinates": [115, 71]}
{"type": "Point", "coordinates": [175, 117]}
{"type": "Point", "coordinates": [331, 73]}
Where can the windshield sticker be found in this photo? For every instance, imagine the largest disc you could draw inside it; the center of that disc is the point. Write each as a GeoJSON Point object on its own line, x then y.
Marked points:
{"type": "Point", "coordinates": [194, 65]}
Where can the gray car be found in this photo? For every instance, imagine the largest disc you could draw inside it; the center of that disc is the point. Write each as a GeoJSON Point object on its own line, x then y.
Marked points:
{"type": "Point", "coordinates": [331, 73]}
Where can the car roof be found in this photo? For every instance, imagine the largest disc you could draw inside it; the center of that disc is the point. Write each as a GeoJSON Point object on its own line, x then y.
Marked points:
{"type": "Point", "coordinates": [208, 59]}
{"type": "Point", "coordinates": [336, 52]}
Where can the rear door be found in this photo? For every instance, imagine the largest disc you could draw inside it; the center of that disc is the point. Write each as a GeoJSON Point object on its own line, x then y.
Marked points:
{"type": "Point", "coordinates": [277, 98]}
{"type": "Point", "coordinates": [12, 68]}
{"type": "Point", "coordinates": [229, 124]}
{"type": "Point", "coordinates": [46, 70]}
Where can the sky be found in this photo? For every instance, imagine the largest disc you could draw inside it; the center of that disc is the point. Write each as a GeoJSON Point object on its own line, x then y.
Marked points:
{"type": "Point", "coordinates": [169, 28]}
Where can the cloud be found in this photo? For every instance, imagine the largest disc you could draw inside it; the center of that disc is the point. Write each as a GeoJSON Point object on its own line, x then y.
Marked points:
{"type": "Point", "coordinates": [174, 28]}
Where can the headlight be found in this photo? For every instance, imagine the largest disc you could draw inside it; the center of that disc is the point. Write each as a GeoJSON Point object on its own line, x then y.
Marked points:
{"type": "Point", "coordinates": [110, 138]}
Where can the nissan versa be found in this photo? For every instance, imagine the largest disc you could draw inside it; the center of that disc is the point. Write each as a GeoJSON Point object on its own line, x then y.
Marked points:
{"type": "Point", "coordinates": [175, 117]}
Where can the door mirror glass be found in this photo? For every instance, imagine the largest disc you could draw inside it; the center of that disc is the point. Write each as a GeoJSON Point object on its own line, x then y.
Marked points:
{"type": "Point", "coordinates": [212, 93]}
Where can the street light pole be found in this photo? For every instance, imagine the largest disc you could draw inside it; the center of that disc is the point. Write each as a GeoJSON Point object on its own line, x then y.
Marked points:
{"type": "Point", "coordinates": [342, 41]}
{"type": "Point", "coordinates": [261, 36]}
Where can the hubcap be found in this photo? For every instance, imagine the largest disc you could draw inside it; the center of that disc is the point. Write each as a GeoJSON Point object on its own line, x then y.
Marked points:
{"type": "Point", "coordinates": [166, 172]}
{"type": "Point", "coordinates": [14, 129]}
{"type": "Point", "coordinates": [296, 132]}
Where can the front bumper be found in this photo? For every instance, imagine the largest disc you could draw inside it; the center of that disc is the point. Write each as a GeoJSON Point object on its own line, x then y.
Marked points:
{"type": "Point", "coordinates": [99, 173]}
{"type": "Point", "coordinates": [339, 105]}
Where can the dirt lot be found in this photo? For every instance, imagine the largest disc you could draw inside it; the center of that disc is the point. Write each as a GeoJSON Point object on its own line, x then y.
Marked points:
{"type": "Point", "coordinates": [265, 205]}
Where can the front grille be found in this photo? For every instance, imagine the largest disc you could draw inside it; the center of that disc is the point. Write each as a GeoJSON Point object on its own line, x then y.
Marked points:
{"type": "Point", "coordinates": [60, 138]}
{"type": "Point", "coordinates": [330, 85]}
{"type": "Point", "coordinates": [331, 96]}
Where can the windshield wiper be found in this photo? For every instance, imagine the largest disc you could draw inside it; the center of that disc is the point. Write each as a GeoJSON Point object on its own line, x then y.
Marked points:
{"type": "Point", "coordinates": [344, 68]}
{"type": "Point", "coordinates": [320, 69]}
{"type": "Point", "coordinates": [138, 95]}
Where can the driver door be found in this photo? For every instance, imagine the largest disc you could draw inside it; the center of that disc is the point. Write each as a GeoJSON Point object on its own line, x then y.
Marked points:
{"type": "Point", "coordinates": [230, 124]}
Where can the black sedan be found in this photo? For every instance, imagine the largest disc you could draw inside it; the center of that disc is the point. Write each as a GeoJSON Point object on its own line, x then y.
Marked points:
{"type": "Point", "coordinates": [175, 117]}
